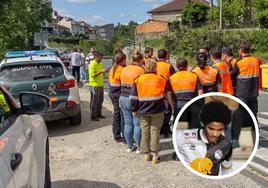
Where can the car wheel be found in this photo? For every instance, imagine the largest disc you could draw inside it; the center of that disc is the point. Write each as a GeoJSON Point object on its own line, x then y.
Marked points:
{"type": "Point", "coordinates": [47, 169]}
{"type": "Point", "coordinates": [76, 120]}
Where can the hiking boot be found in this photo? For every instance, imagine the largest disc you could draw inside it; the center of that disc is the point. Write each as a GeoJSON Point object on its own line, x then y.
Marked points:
{"type": "Point", "coordinates": [156, 159]}
{"type": "Point", "coordinates": [148, 157]}
{"type": "Point", "coordinates": [95, 119]}
{"type": "Point", "coordinates": [101, 116]}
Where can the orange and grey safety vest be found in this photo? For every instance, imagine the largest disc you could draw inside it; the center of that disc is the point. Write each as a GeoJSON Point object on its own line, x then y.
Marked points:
{"type": "Point", "coordinates": [114, 80]}
{"type": "Point", "coordinates": [226, 82]}
{"type": "Point", "coordinates": [208, 77]}
{"type": "Point", "coordinates": [165, 69]}
{"type": "Point", "coordinates": [247, 73]}
{"type": "Point", "coordinates": [147, 94]}
{"type": "Point", "coordinates": [127, 77]}
{"type": "Point", "coordinates": [184, 85]}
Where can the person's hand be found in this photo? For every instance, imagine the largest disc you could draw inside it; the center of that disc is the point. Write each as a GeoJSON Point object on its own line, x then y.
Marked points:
{"type": "Point", "coordinates": [107, 70]}
{"type": "Point", "coordinates": [202, 165]}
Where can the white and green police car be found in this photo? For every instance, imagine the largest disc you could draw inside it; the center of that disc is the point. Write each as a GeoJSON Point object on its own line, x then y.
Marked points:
{"type": "Point", "coordinates": [43, 72]}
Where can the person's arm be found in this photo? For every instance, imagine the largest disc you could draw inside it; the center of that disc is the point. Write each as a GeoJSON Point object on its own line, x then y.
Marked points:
{"type": "Point", "coordinates": [168, 89]}
{"type": "Point", "coordinates": [171, 70]}
{"type": "Point", "coordinates": [218, 81]}
{"type": "Point", "coordinates": [133, 98]}
{"type": "Point", "coordinates": [235, 72]}
{"type": "Point", "coordinates": [199, 87]}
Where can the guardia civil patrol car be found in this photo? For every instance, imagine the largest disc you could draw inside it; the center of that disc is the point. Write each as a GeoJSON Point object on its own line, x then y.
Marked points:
{"type": "Point", "coordinates": [43, 72]}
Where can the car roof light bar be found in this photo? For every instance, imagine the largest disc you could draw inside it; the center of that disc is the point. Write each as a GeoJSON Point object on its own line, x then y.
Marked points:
{"type": "Point", "coordinates": [14, 54]}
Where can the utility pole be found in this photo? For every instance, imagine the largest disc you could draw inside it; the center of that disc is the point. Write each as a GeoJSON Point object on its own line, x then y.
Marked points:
{"type": "Point", "coordinates": [220, 15]}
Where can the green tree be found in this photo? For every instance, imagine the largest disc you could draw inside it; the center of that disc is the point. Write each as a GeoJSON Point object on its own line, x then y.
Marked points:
{"type": "Point", "coordinates": [122, 33]}
{"type": "Point", "coordinates": [19, 20]}
{"type": "Point", "coordinates": [260, 9]}
{"type": "Point", "coordinates": [194, 13]}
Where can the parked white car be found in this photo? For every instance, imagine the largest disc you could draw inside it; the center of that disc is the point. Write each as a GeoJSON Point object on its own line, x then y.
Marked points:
{"type": "Point", "coordinates": [24, 147]}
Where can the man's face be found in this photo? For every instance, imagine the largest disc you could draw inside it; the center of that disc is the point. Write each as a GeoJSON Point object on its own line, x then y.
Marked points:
{"type": "Point", "coordinates": [98, 58]}
{"type": "Point", "coordinates": [213, 131]}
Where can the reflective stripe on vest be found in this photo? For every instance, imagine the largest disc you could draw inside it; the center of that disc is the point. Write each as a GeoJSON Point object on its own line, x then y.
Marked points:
{"type": "Point", "coordinates": [129, 74]}
{"type": "Point", "coordinates": [207, 76]}
{"type": "Point", "coordinates": [163, 69]}
{"type": "Point", "coordinates": [248, 68]}
{"type": "Point", "coordinates": [183, 82]}
{"type": "Point", "coordinates": [150, 87]}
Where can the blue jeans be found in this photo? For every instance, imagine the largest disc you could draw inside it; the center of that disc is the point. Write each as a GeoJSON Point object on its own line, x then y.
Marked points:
{"type": "Point", "coordinates": [83, 74]}
{"type": "Point", "coordinates": [132, 123]}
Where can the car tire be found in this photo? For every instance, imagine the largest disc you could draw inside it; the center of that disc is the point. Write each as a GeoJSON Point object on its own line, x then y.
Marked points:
{"type": "Point", "coordinates": [76, 120]}
{"type": "Point", "coordinates": [47, 169]}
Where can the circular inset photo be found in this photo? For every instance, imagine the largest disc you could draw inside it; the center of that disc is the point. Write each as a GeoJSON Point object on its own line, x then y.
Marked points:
{"type": "Point", "coordinates": [215, 135]}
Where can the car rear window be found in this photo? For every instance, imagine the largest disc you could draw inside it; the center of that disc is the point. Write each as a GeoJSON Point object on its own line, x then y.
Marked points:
{"type": "Point", "coordinates": [31, 71]}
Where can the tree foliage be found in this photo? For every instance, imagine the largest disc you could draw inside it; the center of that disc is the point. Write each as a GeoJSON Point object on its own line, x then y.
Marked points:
{"type": "Point", "coordinates": [194, 13]}
{"type": "Point", "coordinates": [123, 33]}
{"type": "Point", "coordinates": [19, 19]}
{"type": "Point", "coordinates": [261, 12]}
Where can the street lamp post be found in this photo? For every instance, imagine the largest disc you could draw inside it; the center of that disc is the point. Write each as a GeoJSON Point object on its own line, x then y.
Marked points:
{"type": "Point", "coordinates": [220, 15]}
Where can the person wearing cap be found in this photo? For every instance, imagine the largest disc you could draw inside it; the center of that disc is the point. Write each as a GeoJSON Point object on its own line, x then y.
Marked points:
{"type": "Point", "coordinates": [96, 74]}
{"type": "Point", "coordinates": [149, 105]}
{"type": "Point", "coordinates": [208, 76]}
{"type": "Point", "coordinates": [206, 149]}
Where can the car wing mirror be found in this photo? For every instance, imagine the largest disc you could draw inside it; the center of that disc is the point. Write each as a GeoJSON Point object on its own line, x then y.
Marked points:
{"type": "Point", "coordinates": [34, 103]}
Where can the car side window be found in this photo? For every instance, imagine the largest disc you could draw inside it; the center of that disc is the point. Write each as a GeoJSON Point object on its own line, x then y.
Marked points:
{"type": "Point", "coordinates": [5, 109]}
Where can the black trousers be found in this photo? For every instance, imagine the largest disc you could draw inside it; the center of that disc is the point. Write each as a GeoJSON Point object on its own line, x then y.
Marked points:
{"type": "Point", "coordinates": [118, 119]}
{"type": "Point", "coordinates": [241, 118]}
{"type": "Point", "coordinates": [165, 129]}
{"type": "Point", "coordinates": [76, 72]}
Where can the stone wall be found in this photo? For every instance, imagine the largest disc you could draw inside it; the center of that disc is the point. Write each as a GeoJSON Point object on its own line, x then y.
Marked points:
{"type": "Point", "coordinates": [167, 16]}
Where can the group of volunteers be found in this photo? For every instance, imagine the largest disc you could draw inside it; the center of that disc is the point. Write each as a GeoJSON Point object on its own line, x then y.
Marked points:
{"type": "Point", "coordinates": [147, 91]}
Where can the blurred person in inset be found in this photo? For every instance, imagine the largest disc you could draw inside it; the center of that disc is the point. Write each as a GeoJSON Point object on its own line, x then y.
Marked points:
{"type": "Point", "coordinates": [209, 77]}
{"type": "Point", "coordinates": [223, 69]}
{"type": "Point", "coordinates": [132, 123]}
{"type": "Point", "coordinates": [206, 149]}
{"type": "Point", "coordinates": [88, 59]}
{"type": "Point", "coordinates": [147, 99]}
{"type": "Point", "coordinates": [114, 93]}
{"type": "Point", "coordinates": [185, 85]}
{"type": "Point", "coordinates": [165, 69]}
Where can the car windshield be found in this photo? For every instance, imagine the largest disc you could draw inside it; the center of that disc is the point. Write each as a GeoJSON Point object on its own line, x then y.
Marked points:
{"type": "Point", "coordinates": [31, 71]}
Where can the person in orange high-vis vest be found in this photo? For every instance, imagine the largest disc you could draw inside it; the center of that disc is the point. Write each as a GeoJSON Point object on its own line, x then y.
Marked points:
{"type": "Point", "coordinates": [185, 85]}
{"type": "Point", "coordinates": [165, 69]}
{"type": "Point", "coordinates": [147, 98]}
{"type": "Point", "coordinates": [114, 93]}
{"type": "Point", "coordinates": [209, 77]}
{"type": "Point", "coordinates": [246, 72]}
{"type": "Point", "coordinates": [223, 68]}
{"type": "Point", "coordinates": [132, 123]}
{"type": "Point", "coordinates": [228, 57]}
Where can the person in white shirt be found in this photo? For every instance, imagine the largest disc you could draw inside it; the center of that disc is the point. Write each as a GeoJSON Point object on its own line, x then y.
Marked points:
{"type": "Point", "coordinates": [83, 75]}
{"type": "Point", "coordinates": [76, 60]}
{"type": "Point", "coordinates": [206, 149]}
